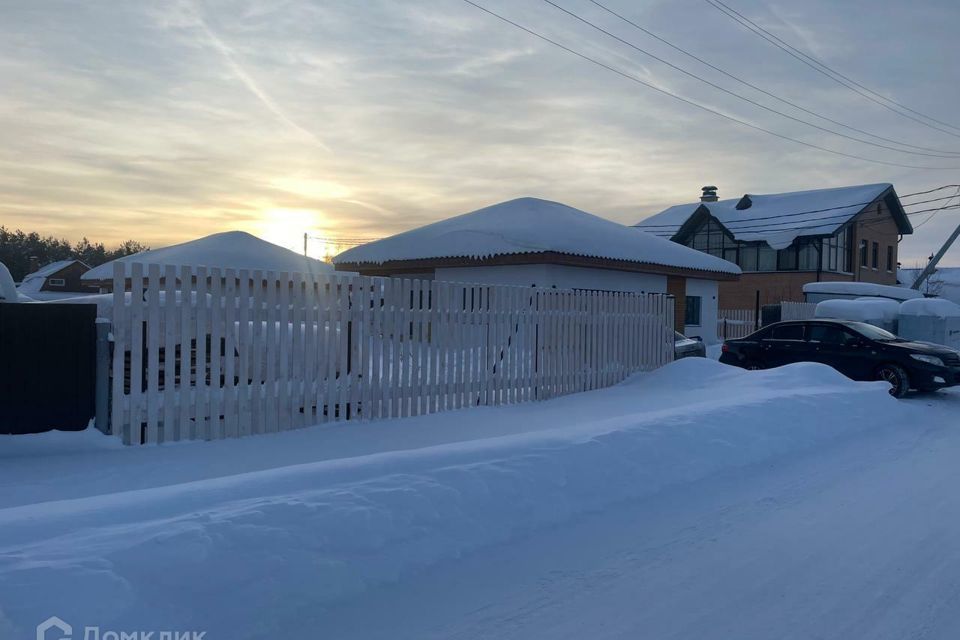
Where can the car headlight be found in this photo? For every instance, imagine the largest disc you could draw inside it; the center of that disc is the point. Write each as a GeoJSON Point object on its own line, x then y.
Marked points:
{"type": "Point", "coordinates": [922, 357]}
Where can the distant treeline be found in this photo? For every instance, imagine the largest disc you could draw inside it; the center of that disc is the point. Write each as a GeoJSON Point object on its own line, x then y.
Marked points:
{"type": "Point", "coordinates": [16, 248]}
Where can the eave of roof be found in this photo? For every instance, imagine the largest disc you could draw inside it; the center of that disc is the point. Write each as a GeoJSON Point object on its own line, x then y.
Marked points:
{"type": "Point", "coordinates": [391, 267]}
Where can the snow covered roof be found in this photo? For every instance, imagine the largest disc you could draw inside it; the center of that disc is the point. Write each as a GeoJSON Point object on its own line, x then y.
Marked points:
{"type": "Point", "coordinates": [812, 213]}
{"type": "Point", "coordinates": [228, 250]}
{"type": "Point", "coordinates": [932, 307]}
{"type": "Point", "coordinates": [869, 310]}
{"type": "Point", "coordinates": [532, 225]}
{"type": "Point", "coordinates": [32, 282]}
{"type": "Point", "coordinates": [861, 289]}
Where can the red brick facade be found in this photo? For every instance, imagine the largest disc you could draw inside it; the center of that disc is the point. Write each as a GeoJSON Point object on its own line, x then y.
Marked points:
{"type": "Point", "coordinates": [874, 225]}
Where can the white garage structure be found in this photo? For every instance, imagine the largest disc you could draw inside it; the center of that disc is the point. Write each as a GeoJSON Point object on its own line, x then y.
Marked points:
{"type": "Point", "coordinates": [533, 242]}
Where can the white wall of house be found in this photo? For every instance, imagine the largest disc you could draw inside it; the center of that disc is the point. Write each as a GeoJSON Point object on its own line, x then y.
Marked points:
{"type": "Point", "coordinates": [706, 290]}
{"type": "Point", "coordinates": [560, 276]}
{"type": "Point", "coordinates": [566, 277]}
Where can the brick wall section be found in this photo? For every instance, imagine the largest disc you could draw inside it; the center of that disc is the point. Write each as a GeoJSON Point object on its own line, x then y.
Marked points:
{"type": "Point", "coordinates": [876, 225]}
{"type": "Point", "coordinates": [774, 287]}
{"type": "Point", "coordinates": [677, 287]}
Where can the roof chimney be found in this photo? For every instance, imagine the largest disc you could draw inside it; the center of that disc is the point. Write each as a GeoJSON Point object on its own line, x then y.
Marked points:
{"type": "Point", "coordinates": [34, 265]}
{"type": "Point", "coordinates": [709, 194]}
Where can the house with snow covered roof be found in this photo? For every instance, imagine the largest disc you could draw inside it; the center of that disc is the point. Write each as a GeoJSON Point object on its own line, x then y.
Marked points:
{"type": "Point", "coordinates": [56, 280]}
{"type": "Point", "coordinates": [228, 250]}
{"type": "Point", "coordinates": [783, 241]}
{"type": "Point", "coordinates": [533, 242]}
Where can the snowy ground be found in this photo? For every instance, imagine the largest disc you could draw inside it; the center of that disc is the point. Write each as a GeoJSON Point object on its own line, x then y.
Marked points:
{"type": "Point", "coordinates": [699, 501]}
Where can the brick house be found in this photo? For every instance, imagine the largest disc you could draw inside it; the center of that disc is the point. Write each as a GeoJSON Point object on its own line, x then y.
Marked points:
{"type": "Point", "coordinates": [783, 241]}
{"type": "Point", "coordinates": [61, 277]}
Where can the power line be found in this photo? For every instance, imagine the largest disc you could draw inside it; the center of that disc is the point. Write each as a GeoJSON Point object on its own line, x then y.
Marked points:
{"type": "Point", "coordinates": [823, 69]}
{"type": "Point", "coordinates": [775, 227]}
{"type": "Point", "coordinates": [764, 91]}
{"type": "Point", "coordinates": [936, 211]}
{"type": "Point", "coordinates": [697, 104]}
{"type": "Point", "coordinates": [734, 93]}
{"type": "Point", "coordinates": [802, 213]}
{"type": "Point", "coordinates": [920, 193]}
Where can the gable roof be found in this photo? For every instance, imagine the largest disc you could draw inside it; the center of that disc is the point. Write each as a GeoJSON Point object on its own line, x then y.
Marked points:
{"type": "Point", "coordinates": [531, 226]}
{"type": "Point", "coordinates": [227, 250]}
{"type": "Point", "coordinates": [819, 212]}
{"type": "Point", "coordinates": [33, 282]}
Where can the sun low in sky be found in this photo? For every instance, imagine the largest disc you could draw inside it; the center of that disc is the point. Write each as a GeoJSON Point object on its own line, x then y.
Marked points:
{"type": "Point", "coordinates": [166, 121]}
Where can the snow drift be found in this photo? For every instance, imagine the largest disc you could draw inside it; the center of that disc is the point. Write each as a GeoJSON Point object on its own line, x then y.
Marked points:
{"type": "Point", "coordinates": [261, 548]}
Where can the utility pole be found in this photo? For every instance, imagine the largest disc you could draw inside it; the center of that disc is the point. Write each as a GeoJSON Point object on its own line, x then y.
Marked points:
{"type": "Point", "coordinates": [304, 244]}
{"type": "Point", "coordinates": [932, 265]}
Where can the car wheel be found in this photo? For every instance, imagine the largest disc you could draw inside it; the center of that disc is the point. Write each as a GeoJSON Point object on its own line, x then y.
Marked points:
{"type": "Point", "coordinates": [897, 377]}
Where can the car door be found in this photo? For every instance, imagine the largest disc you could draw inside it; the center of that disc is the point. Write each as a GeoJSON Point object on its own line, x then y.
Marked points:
{"type": "Point", "coordinates": [784, 344]}
{"type": "Point", "coordinates": [837, 347]}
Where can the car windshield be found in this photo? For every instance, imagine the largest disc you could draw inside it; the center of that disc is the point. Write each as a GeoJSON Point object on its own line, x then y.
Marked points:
{"type": "Point", "coordinates": [872, 332]}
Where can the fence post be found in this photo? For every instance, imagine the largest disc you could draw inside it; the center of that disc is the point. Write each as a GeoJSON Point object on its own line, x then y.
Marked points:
{"type": "Point", "coordinates": [102, 386]}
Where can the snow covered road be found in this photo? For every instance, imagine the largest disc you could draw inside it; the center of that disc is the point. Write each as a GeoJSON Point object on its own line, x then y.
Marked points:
{"type": "Point", "coordinates": [699, 501]}
{"type": "Point", "coordinates": [858, 540]}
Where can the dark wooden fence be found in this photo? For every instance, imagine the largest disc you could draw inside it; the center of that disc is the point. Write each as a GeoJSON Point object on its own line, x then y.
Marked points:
{"type": "Point", "coordinates": [47, 367]}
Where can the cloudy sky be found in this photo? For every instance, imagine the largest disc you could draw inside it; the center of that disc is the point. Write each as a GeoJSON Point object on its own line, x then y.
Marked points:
{"type": "Point", "coordinates": [163, 121]}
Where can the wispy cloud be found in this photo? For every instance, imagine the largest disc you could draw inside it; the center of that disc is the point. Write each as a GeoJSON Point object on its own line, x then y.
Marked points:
{"type": "Point", "coordinates": [164, 121]}
{"type": "Point", "coordinates": [232, 61]}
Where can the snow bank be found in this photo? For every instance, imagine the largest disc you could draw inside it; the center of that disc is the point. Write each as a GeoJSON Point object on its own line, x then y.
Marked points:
{"type": "Point", "coordinates": [239, 555]}
{"type": "Point", "coordinates": [860, 289]}
{"type": "Point", "coordinates": [930, 307]}
{"type": "Point", "coordinates": [874, 311]}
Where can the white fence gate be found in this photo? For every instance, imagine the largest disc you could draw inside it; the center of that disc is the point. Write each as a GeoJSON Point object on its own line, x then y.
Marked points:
{"type": "Point", "coordinates": [797, 310]}
{"type": "Point", "coordinates": [735, 323]}
{"type": "Point", "coordinates": [213, 354]}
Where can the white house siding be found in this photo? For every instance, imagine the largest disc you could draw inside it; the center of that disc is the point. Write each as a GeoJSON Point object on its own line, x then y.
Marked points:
{"type": "Point", "coordinates": [707, 291]}
{"type": "Point", "coordinates": [560, 276]}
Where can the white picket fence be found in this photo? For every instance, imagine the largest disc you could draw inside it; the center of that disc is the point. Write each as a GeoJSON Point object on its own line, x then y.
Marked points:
{"type": "Point", "coordinates": [735, 323]}
{"type": "Point", "coordinates": [797, 310]}
{"type": "Point", "coordinates": [256, 352]}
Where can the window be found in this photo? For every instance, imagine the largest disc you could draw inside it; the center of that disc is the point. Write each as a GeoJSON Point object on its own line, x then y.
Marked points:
{"type": "Point", "coordinates": [874, 333]}
{"type": "Point", "coordinates": [890, 258]}
{"type": "Point", "coordinates": [691, 317]}
{"type": "Point", "coordinates": [787, 259]}
{"type": "Point", "coordinates": [875, 256]}
{"type": "Point", "coordinates": [766, 258]}
{"type": "Point", "coordinates": [787, 332]}
{"type": "Point", "coordinates": [837, 250]}
{"type": "Point", "coordinates": [56, 282]}
{"type": "Point", "coordinates": [828, 334]}
{"type": "Point", "coordinates": [711, 238]}
{"type": "Point", "coordinates": [809, 255]}
{"type": "Point", "coordinates": [863, 253]}
{"type": "Point", "coordinates": [748, 257]}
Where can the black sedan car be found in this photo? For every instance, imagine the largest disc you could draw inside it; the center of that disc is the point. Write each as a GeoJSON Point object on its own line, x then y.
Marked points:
{"type": "Point", "coordinates": [859, 351]}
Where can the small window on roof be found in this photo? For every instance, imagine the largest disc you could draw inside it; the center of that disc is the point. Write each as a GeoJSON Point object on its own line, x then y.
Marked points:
{"type": "Point", "coordinates": [56, 282]}
{"type": "Point", "coordinates": [787, 332]}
